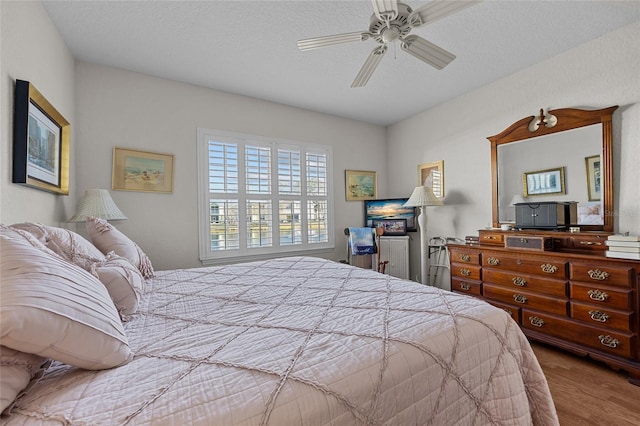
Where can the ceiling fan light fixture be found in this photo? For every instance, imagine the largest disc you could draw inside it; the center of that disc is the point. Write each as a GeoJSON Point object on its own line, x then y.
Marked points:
{"type": "Point", "coordinates": [369, 66]}
{"type": "Point", "coordinates": [427, 52]}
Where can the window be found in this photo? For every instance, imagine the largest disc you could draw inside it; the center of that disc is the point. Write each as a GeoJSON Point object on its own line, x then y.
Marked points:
{"type": "Point", "coordinates": [260, 196]}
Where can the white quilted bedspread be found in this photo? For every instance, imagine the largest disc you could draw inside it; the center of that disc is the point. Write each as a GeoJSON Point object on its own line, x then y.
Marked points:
{"type": "Point", "coordinates": [303, 341]}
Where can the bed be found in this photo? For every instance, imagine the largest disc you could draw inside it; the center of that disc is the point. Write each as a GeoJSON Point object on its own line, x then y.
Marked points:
{"type": "Point", "coordinates": [293, 341]}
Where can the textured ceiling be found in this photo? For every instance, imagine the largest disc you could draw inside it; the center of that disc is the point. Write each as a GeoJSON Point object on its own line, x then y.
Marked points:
{"type": "Point", "coordinates": [249, 47]}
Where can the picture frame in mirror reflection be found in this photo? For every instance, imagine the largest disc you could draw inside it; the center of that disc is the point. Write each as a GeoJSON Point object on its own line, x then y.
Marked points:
{"type": "Point", "coordinates": [594, 177]}
{"type": "Point", "coordinates": [543, 182]}
{"type": "Point", "coordinates": [432, 174]}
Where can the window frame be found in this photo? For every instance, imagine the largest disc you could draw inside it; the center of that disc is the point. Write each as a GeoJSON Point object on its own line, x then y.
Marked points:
{"type": "Point", "coordinates": [244, 253]}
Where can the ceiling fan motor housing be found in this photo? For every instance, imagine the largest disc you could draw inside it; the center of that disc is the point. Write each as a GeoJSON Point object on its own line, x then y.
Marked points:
{"type": "Point", "coordinates": [398, 27]}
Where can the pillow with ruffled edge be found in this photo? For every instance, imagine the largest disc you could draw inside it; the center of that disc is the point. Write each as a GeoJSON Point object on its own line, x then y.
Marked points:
{"type": "Point", "coordinates": [71, 246]}
{"type": "Point", "coordinates": [108, 239]}
{"type": "Point", "coordinates": [20, 371]}
{"type": "Point", "coordinates": [123, 281]}
{"type": "Point", "coordinates": [55, 309]}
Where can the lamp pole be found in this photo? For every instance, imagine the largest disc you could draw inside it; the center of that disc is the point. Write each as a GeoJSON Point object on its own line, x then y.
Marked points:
{"type": "Point", "coordinates": [422, 223]}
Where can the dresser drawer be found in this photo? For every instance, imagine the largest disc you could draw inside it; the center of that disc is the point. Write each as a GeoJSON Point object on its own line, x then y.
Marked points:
{"type": "Point", "coordinates": [601, 274]}
{"type": "Point", "coordinates": [515, 280]}
{"type": "Point", "coordinates": [606, 340]}
{"type": "Point", "coordinates": [489, 237]}
{"type": "Point", "coordinates": [471, 272]}
{"type": "Point", "coordinates": [546, 267]}
{"type": "Point", "coordinates": [517, 297]}
{"type": "Point", "coordinates": [602, 295]}
{"type": "Point", "coordinates": [513, 311]}
{"type": "Point", "coordinates": [466, 286]}
{"type": "Point", "coordinates": [604, 316]}
{"type": "Point", "coordinates": [462, 256]}
{"type": "Point", "coordinates": [593, 242]}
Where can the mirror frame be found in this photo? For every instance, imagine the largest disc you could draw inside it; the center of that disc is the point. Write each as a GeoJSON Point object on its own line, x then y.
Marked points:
{"type": "Point", "coordinates": [560, 120]}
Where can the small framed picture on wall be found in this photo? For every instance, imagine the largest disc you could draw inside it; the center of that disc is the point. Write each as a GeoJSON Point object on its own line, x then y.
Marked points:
{"type": "Point", "coordinates": [432, 174]}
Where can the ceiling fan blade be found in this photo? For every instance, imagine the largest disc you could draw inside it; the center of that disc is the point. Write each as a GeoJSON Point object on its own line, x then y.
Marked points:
{"type": "Point", "coordinates": [437, 9]}
{"type": "Point", "coordinates": [426, 51]}
{"type": "Point", "coordinates": [385, 10]}
{"type": "Point", "coordinates": [318, 42]}
{"type": "Point", "coordinates": [369, 66]}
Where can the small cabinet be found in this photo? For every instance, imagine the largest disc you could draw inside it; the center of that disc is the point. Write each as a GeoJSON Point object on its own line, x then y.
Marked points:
{"type": "Point", "coordinates": [395, 250]}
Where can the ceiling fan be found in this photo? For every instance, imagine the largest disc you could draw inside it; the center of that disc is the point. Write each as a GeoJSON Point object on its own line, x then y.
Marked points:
{"type": "Point", "coordinates": [393, 21]}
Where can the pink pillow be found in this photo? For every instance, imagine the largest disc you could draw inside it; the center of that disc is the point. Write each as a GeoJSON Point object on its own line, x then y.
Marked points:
{"type": "Point", "coordinates": [69, 245]}
{"type": "Point", "coordinates": [55, 309]}
{"type": "Point", "coordinates": [19, 372]}
{"type": "Point", "coordinates": [123, 281]}
{"type": "Point", "coordinates": [108, 239]}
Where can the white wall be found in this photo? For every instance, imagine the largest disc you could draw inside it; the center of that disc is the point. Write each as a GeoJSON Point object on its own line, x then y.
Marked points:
{"type": "Point", "coordinates": [126, 109]}
{"type": "Point", "coordinates": [31, 49]}
{"type": "Point", "coordinates": [598, 74]}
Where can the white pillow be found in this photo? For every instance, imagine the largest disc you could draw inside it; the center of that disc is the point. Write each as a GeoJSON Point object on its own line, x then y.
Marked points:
{"type": "Point", "coordinates": [108, 239]}
{"type": "Point", "coordinates": [66, 243]}
{"type": "Point", "coordinates": [123, 281]}
{"type": "Point", "coordinates": [18, 370]}
{"type": "Point", "coordinates": [55, 309]}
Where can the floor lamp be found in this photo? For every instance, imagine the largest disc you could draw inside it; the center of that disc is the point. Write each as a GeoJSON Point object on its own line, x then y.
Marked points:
{"type": "Point", "coordinates": [422, 197]}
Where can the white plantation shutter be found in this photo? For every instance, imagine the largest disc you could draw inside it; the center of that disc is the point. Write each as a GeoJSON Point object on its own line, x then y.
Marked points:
{"type": "Point", "coordinates": [260, 196]}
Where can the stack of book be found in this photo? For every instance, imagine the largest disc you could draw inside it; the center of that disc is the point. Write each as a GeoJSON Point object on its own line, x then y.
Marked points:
{"type": "Point", "coordinates": [472, 239]}
{"type": "Point", "coordinates": [623, 246]}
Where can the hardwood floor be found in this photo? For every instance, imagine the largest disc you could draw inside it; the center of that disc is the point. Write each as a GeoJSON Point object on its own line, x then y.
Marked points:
{"type": "Point", "coordinates": [587, 392]}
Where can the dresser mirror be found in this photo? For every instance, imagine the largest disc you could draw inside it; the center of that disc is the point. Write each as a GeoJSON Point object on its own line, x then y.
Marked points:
{"type": "Point", "coordinates": [569, 151]}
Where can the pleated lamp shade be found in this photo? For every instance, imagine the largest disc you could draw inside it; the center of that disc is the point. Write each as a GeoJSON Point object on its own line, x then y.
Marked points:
{"type": "Point", "coordinates": [423, 196]}
{"type": "Point", "coordinates": [97, 203]}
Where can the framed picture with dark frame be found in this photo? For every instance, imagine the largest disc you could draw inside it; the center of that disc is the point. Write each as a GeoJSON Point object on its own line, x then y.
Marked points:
{"type": "Point", "coordinates": [41, 138]}
{"type": "Point", "coordinates": [392, 227]}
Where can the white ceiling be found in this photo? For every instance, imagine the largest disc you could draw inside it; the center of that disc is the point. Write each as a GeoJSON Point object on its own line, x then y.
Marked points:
{"type": "Point", "coordinates": [249, 47]}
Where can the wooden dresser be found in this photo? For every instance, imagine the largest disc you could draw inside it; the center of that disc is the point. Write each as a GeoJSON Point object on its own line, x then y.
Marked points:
{"type": "Point", "coordinates": [571, 296]}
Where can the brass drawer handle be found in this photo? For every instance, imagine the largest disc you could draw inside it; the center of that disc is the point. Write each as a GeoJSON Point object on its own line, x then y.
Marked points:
{"type": "Point", "coordinates": [598, 316]}
{"type": "Point", "coordinates": [598, 295]}
{"type": "Point", "coordinates": [519, 281]}
{"type": "Point", "coordinates": [494, 261]}
{"type": "Point", "coordinates": [536, 321]}
{"type": "Point", "coordinates": [590, 243]}
{"type": "Point", "coordinates": [465, 272]}
{"type": "Point", "coordinates": [520, 298]}
{"type": "Point", "coordinates": [598, 275]}
{"type": "Point", "coordinates": [609, 341]}
{"type": "Point", "coordinates": [465, 286]}
{"type": "Point", "coordinates": [465, 258]}
{"type": "Point", "coordinates": [549, 268]}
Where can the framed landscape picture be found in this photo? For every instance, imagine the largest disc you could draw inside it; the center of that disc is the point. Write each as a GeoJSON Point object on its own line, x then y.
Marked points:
{"type": "Point", "coordinates": [360, 185]}
{"type": "Point", "coordinates": [142, 171]}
